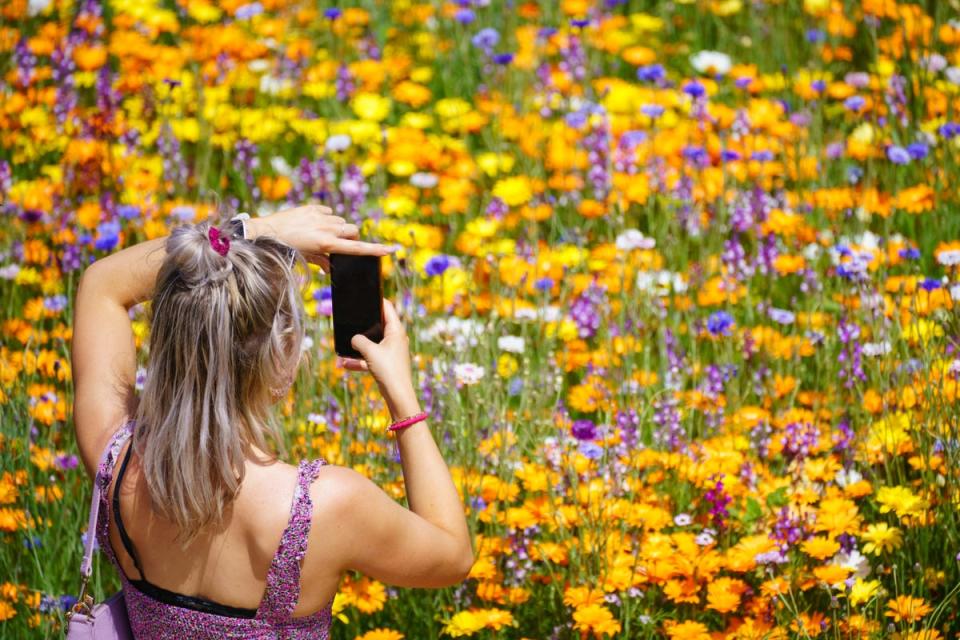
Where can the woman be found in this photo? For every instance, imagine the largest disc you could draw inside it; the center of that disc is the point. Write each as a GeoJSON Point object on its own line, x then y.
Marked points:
{"type": "Point", "coordinates": [211, 534]}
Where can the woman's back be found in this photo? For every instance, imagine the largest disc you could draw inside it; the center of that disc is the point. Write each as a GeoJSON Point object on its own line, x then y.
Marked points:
{"type": "Point", "coordinates": [241, 580]}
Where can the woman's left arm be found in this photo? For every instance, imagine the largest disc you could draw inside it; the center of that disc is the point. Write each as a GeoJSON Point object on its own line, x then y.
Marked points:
{"type": "Point", "coordinates": [103, 352]}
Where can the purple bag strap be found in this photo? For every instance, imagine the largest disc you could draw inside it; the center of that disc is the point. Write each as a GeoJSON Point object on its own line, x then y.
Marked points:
{"type": "Point", "coordinates": [86, 567]}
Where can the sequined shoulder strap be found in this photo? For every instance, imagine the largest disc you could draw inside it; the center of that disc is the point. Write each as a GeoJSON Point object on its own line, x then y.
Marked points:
{"type": "Point", "coordinates": [100, 515]}
{"type": "Point", "coordinates": [283, 577]}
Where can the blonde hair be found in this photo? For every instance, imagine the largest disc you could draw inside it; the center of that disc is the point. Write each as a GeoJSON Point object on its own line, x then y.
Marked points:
{"type": "Point", "coordinates": [226, 332]}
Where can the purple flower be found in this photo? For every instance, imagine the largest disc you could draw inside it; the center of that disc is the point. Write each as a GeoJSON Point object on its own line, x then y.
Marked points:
{"type": "Point", "coordinates": [583, 430]}
{"type": "Point", "coordinates": [651, 73]}
{"type": "Point", "coordinates": [128, 211]}
{"type": "Point", "coordinates": [55, 303]}
{"type": "Point", "coordinates": [918, 150]}
{"type": "Point", "coordinates": [108, 236]}
{"type": "Point", "coordinates": [694, 89]}
{"type": "Point", "coordinates": [909, 254]}
{"type": "Point", "coordinates": [854, 103]}
{"type": "Point", "coordinates": [591, 450]}
{"type": "Point", "coordinates": [465, 16]}
{"type": "Point", "coordinates": [247, 11]}
{"type": "Point", "coordinates": [437, 265]}
{"type": "Point", "coordinates": [503, 58]}
{"type": "Point", "coordinates": [332, 14]}
{"type": "Point", "coordinates": [815, 35]}
{"type": "Point", "coordinates": [719, 323]}
{"type": "Point", "coordinates": [652, 110]}
{"type": "Point", "coordinates": [898, 155]}
{"type": "Point", "coordinates": [543, 284]}
{"type": "Point", "coordinates": [949, 130]}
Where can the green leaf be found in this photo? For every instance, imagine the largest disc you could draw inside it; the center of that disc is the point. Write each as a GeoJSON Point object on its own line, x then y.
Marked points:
{"type": "Point", "coordinates": [778, 498]}
{"type": "Point", "coordinates": [753, 510]}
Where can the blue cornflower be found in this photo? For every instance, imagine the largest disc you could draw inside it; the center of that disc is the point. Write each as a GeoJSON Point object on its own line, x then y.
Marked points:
{"type": "Point", "coordinates": [719, 323]}
{"type": "Point", "coordinates": [651, 73]}
{"type": "Point", "coordinates": [910, 254]}
{"type": "Point", "coordinates": [591, 450]}
{"type": "Point", "coordinates": [332, 13]}
{"type": "Point", "coordinates": [503, 58]}
{"type": "Point", "coordinates": [108, 236]}
{"type": "Point", "coordinates": [437, 265]}
{"type": "Point", "coordinates": [854, 103]}
{"type": "Point", "coordinates": [465, 16]}
{"type": "Point", "coordinates": [486, 39]}
{"type": "Point", "coordinates": [652, 110]}
{"type": "Point", "coordinates": [543, 284]}
{"type": "Point", "coordinates": [918, 150]}
{"type": "Point", "coordinates": [898, 155]}
{"type": "Point", "coordinates": [694, 89]}
{"type": "Point", "coordinates": [128, 211]}
{"type": "Point", "coordinates": [949, 130]}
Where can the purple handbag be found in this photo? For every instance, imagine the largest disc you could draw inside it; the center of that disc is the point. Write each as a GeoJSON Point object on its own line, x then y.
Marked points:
{"type": "Point", "coordinates": [107, 620]}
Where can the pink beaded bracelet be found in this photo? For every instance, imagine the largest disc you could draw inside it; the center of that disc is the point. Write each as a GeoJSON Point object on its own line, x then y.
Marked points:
{"type": "Point", "coordinates": [406, 422]}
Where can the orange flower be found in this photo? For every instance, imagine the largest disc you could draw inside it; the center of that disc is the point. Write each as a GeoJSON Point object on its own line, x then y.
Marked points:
{"type": "Point", "coordinates": [688, 630]}
{"type": "Point", "coordinates": [592, 209]}
{"type": "Point", "coordinates": [907, 608]}
{"type": "Point", "coordinates": [90, 58]}
{"type": "Point", "coordinates": [578, 597]}
{"type": "Point", "coordinates": [595, 619]}
{"type": "Point", "coordinates": [381, 634]}
{"type": "Point", "coordinates": [786, 263]}
{"type": "Point", "coordinates": [723, 594]}
{"type": "Point", "coordinates": [915, 199]}
{"type": "Point", "coordinates": [820, 548]}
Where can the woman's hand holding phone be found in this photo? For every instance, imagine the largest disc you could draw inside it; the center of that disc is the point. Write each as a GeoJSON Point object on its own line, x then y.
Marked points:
{"type": "Point", "coordinates": [389, 362]}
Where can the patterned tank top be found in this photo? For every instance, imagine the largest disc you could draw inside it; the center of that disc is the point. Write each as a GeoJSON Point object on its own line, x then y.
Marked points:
{"type": "Point", "coordinates": [156, 613]}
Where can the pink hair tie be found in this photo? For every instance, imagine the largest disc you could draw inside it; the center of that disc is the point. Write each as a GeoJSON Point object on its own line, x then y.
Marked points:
{"type": "Point", "coordinates": [219, 241]}
{"type": "Point", "coordinates": [406, 422]}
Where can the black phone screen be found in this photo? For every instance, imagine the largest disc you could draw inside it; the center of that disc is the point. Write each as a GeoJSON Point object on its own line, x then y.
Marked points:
{"type": "Point", "coordinates": [357, 300]}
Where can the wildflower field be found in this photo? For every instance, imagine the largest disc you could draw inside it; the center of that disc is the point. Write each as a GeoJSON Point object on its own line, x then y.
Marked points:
{"type": "Point", "coordinates": [680, 278]}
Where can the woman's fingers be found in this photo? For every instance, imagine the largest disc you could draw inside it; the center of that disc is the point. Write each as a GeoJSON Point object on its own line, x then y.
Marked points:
{"type": "Point", "coordinates": [359, 248]}
{"type": "Point", "coordinates": [392, 319]}
{"type": "Point", "coordinates": [352, 364]}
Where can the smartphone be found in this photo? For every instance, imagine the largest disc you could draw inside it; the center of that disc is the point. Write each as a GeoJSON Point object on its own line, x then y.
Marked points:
{"type": "Point", "coordinates": [357, 299]}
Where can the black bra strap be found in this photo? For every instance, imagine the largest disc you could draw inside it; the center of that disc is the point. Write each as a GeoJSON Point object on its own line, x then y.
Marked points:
{"type": "Point", "coordinates": [127, 542]}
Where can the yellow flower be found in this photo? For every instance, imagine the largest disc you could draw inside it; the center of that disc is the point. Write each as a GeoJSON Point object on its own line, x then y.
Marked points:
{"type": "Point", "coordinates": [507, 365]}
{"type": "Point", "coordinates": [907, 608]}
{"type": "Point", "coordinates": [371, 107]}
{"type": "Point", "coordinates": [863, 591]}
{"type": "Point", "coordinates": [515, 191]}
{"type": "Point", "coordinates": [596, 619]}
{"type": "Point", "coordinates": [881, 538]}
{"type": "Point", "coordinates": [902, 501]}
{"type": "Point", "coordinates": [466, 623]}
{"type": "Point", "coordinates": [381, 634]}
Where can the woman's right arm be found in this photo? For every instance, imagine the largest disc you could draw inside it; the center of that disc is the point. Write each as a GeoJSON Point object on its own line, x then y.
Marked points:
{"type": "Point", "coordinates": [427, 545]}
